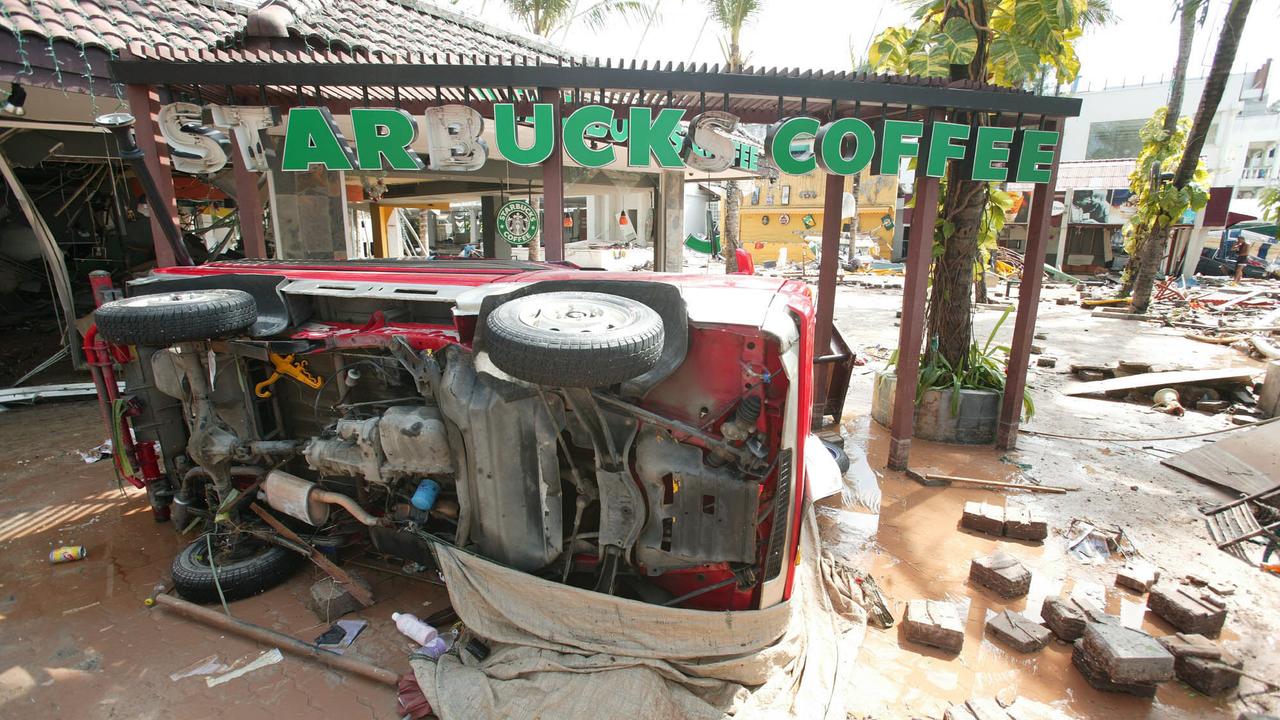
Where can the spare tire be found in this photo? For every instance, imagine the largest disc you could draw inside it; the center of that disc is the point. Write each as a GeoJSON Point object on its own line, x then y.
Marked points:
{"type": "Point", "coordinates": [574, 339]}
{"type": "Point", "coordinates": [259, 567]}
{"type": "Point", "coordinates": [166, 318]}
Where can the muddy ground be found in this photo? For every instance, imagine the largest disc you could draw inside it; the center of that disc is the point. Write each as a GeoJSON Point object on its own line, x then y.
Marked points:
{"type": "Point", "coordinates": [77, 641]}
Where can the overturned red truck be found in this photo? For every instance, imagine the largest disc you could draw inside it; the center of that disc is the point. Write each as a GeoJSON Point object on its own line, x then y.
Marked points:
{"type": "Point", "coordinates": [641, 435]}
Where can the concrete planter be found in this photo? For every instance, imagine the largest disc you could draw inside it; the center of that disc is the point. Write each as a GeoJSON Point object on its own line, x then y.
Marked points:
{"type": "Point", "coordinates": [974, 424]}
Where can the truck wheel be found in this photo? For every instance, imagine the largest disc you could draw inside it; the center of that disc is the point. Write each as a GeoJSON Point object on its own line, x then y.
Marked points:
{"type": "Point", "coordinates": [259, 567]}
{"type": "Point", "coordinates": [574, 339]}
{"type": "Point", "coordinates": [166, 318]}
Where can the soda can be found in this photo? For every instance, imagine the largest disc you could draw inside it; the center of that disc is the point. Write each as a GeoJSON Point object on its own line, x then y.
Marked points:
{"type": "Point", "coordinates": [67, 553]}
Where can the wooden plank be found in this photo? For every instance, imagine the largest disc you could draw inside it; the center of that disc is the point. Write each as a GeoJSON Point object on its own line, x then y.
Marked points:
{"type": "Point", "coordinates": [1161, 379]}
{"type": "Point", "coordinates": [1246, 462]}
{"type": "Point", "coordinates": [363, 596]}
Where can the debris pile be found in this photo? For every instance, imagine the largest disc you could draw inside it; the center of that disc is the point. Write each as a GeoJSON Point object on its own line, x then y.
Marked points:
{"type": "Point", "coordinates": [1113, 658]}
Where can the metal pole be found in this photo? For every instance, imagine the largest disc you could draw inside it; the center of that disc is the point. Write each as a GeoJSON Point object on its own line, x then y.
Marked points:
{"type": "Point", "coordinates": [911, 330]}
{"type": "Point", "coordinates": [1028, 303]}
{"type": "Point", "coordinates": [148, 155]}
{"type": "Point", "coordinates": [268, 636]}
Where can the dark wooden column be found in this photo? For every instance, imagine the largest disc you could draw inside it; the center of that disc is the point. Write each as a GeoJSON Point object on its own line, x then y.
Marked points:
{"type": "Point", "coordinates": [253, 242]}
{"type": "Point", "coordinates": [489, 225]}
{"type": "Point", "coordinates": [911, 330]}
{"type": "Point", "coordinates": [833, 202]}
{"type": "Point", "coordinates": [1024, 327]}
{"type": "Point", "coordinates": [144, 103]}
{"type": "Point", "coordinates": [553, 187]}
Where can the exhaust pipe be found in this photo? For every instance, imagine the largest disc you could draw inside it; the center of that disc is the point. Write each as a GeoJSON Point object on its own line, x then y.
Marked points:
{"type": "Point", "coordinates": [307, 502]}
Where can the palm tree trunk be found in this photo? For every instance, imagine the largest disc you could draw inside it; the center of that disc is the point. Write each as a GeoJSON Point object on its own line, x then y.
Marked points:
{"type": "Point", "coordinates": [1215, 86]}
{"type": "Point", "coordinates": [1179, 84]}
{"type": "Point", "coordinates": [732, 224]}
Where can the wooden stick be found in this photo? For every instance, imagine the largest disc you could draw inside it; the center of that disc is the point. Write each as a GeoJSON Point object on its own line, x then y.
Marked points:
{"type": "Point", "coordinates": [997, 484]}
{"type": "Point", "coordinates": [358, 591]}
{"type": "Point", "coordinates": [288, 643]}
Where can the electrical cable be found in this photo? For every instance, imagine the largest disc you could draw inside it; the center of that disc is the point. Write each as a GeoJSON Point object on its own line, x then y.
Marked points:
{"type": "Point", "coordinates": [1150, 439]}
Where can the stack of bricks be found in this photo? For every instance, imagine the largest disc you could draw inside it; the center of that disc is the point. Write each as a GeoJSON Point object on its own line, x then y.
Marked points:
{"type": "Point", "coordinates": [934, 622]}
{"type": "Point", "coordinates": [1114, 658]}
{"type": "Point", "coordinates": [1016, 523]}
{"type": "Point", "coordinates": [1002, 573]}
{"type": "Point", "coordinates": [1190, 610]}
{"type": "Point", "coordinates": [1202, 664]}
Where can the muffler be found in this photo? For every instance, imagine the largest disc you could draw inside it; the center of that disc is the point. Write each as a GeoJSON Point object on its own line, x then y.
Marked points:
{"type": "Point", "coordinates": [307, 502]}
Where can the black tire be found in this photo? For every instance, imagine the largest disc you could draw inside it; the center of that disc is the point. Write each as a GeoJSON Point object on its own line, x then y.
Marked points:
{"type": "Point", "coordinates": [163, 319]}
{"type": "Point", "coordinates": [574, 339]}
{"type": "Point", "coordinates": [263, 567]}
{"type": "Point", "coordinates": [841, 457]}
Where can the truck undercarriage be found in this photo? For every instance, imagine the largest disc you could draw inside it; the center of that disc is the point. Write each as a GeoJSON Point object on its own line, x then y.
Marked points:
{"type": "Point", "coordinates": [614, 434]}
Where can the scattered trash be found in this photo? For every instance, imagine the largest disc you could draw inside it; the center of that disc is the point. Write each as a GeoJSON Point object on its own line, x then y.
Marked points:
{"type": "Point", "coordinates": [1166, 401]}
{"type": "Point", "coordinates": [205, 666]}
{"type": "Point", "coordinates": [75, 610]}
{"type": "Point", "coordinates": [1092, 545]}
{"type": "Point", "coordinates": [413, 628]}
{"type": "Point", "coordinates": [878, 612]}
{"type": "Point", "coordinates": [94, 454]}
{"type": "Point", "coordinates": [270, 657]}
{"type": "Point", "coordinates": [67, 553]}
{"type": "Point", "coordinates": [340, 635]}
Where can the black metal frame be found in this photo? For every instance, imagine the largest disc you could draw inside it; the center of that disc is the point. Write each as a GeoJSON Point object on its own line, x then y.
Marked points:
{"type": "Point", "coordinates": [838, 87]}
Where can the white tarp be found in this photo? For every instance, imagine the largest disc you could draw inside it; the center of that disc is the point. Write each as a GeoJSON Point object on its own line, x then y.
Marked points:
{"type": "Point", "coordinates": [566, 653]}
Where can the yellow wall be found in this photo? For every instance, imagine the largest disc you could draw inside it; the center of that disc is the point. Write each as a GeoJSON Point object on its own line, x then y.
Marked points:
{"type": "Point", "coordinates": [876, 197]}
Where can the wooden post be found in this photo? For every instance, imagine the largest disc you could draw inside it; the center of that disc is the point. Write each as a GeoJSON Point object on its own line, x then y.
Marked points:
{"type": "Point", "coordinates": [253, 241]}
{"type": "Point", "coordinates": [144, 103]}
{"type": "Point", "coordinates": [911, 330]}
{"type": "Point", "coordinates": [1028, 302]}
{"type": "Point", "coordinates": [553, 188]}
{"type": "Point", "coordinates": [833, 202]}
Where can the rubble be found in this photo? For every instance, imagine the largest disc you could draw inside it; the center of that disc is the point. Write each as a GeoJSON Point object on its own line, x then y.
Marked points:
{"type": "Point", "coordinates": [1018, 631]}
{"type": "Point", "coordinates": [1063, 617]}
{"type": "Point", "coordinates": [1191, 611]}
{"type": "Point", "coordinates": [1047, 361]}
{"type": "Point", "coordinates": [1001, 573]}
{"type": "Point", "coordinates": [1097, 677]}
{"type": "Point", "coordinates": [1018, 709]}
{"type": "Point", "coordinates": [1138, 575]}
{"type": "Point", "coordinates": [330, 599]}
{"type": "Point", "coordinates": [934, 622]}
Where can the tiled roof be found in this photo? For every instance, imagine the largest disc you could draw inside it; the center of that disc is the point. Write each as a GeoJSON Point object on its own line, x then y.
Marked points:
{"type": "Point", "coordinates": [387, 26]}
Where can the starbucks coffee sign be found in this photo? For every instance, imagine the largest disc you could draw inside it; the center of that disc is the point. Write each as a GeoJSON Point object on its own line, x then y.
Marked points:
{"type": "Point", "coordinates": [517, 223]}
{"type": "Point", "coordinates": [384, 138]}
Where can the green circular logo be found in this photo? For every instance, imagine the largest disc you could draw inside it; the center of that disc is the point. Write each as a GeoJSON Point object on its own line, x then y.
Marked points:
{"type": "Point", "coordinates": [518, 222]}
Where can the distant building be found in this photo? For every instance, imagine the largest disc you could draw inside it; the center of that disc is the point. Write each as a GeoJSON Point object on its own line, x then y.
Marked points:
{"type": "Point", "coordinates": [1099, 146]}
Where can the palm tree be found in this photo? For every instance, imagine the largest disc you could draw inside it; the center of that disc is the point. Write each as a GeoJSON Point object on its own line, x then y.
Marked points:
{"type": "Point", "coordinates": [1003, 42]}
{"type": "Point", "coordinates": [1214, 88]}
{"type": "Point", "coordinates": [732, 16]}
{"type": "Point", "coordinates": [546, 17]}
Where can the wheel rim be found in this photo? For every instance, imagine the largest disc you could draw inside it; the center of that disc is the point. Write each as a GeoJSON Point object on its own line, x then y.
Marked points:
{"type": "Point", "coordinates": [575, 316]}
{"type": "Point", "coordinates": [165, 298]}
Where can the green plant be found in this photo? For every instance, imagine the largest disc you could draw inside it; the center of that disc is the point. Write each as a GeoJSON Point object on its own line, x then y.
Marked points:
{"type": "Point", "coordinates": [983, 369]}
{"type": "Point", "coordinates": [1269, 201]}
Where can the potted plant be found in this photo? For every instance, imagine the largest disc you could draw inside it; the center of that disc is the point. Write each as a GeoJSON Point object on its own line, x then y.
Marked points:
{"type": "Point", "coordinates": [955, 406]}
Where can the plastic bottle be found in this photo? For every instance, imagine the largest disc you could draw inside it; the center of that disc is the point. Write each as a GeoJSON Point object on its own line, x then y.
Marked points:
{"type": "Point", "coordinates": [440, 645]}
{"type": "Point", "coordinates": [413, 628]}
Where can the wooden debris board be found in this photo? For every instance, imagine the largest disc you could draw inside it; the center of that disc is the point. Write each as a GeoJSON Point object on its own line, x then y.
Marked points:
{"type": "Point", "coordinates": [1246, 461]}
{"type": "Point", "coordinates": [1160, 379]}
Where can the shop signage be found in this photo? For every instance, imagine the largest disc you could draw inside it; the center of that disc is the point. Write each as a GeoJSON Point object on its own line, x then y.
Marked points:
{"type": "Point", "coordinates": [517, 223]}
{"type": "Point", "coordinates": [382, 138]}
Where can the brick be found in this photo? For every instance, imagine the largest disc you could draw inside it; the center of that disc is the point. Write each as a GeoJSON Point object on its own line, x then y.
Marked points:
{"type": "Point", "coordinates": [1025, 524]}
{"type": "Point", "coordinates": [330, 600]}
{"type": "Point", "coordinates": [1018, 632]}
{"type": "Point", "coordinates": [1208, 675]}
{"type": "Point", "coordinates": [1138, 575]}
{"type": "Point", "coordinates": [1063, 618]}
{"type": "Point", "coordinates": [1002, 573]}
{"type": "Point", "coordinates": [1094, 614]}
{"type": "Point", "coordinates": [1097, 676]}
{"type": "Point", "coordinates": [1024, 709]}
{"type": "Point", "coordinates": [936, 623]}
{"type": "Point", "coordinates": [1187, 609]}
{"type": "Point", "coordinates": [1191, 645]}
{"type": "Point", "coordinates": [976, 709]}
{"type": "Point", "coordinates": [1047, 361]}
{"type": "Point", "coordinates": [1126, 655]}
{"type": "Point", "coordinates": [983, 518]}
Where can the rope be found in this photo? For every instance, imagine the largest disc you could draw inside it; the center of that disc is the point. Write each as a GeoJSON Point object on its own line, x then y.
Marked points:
{"type": "Point", "coordinates": [1151, 439]}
